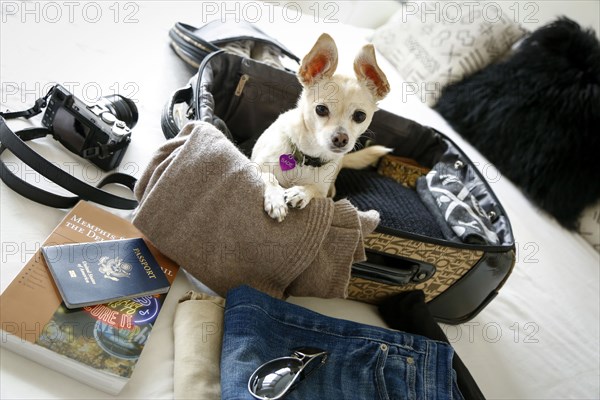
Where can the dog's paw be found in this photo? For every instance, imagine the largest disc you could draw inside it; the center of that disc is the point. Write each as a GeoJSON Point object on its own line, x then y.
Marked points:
{"type": "Point", "coordinates": [298, 196]}
{"type": "Point", "coordinates": [275, 204]}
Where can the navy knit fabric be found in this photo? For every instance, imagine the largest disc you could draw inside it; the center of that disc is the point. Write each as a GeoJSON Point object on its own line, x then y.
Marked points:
{"type": "Point", "coordinates": [400, 208]}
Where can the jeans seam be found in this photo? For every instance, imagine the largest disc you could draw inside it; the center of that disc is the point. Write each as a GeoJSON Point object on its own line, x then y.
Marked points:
{"type": "Point", "coordinates": [380, 376]}
{"type": "Point", "coordinates": [426, 382]}
{"type": "Point", "coordinates": [411, 380]}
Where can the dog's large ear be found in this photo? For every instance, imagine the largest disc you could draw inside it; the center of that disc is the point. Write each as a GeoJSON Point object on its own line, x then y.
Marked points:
{"type": "Point", "coordinates": [320, 62]}
{"type": "Point", "coordinates": [367, 70]}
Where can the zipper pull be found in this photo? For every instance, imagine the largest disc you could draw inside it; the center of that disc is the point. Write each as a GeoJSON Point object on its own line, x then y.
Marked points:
{"type": "Point", "coordinates": [240, 86]}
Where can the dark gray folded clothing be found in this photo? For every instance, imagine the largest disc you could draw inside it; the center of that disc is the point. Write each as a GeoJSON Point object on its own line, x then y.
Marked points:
{"type": "Point", "coordinates": [400, 207]}
{"type": "Point", "coordinates": [201, 204]}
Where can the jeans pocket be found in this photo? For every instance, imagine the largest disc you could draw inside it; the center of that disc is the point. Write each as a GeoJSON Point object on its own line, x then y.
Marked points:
{"type": "Point", "coordinates": [396, 376]}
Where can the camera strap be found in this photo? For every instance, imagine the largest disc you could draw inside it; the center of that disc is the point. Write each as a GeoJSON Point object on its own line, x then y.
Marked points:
{"type": "Point", "coordinates": [15, 142]}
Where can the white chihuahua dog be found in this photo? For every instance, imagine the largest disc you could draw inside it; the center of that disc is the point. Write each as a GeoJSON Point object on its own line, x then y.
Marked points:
{"type": "Point", "coordinates": [301, 153]}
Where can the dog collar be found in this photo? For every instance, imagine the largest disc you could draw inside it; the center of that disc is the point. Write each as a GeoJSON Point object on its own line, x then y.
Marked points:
{"type": "Point", "coordinates": [305, 159]}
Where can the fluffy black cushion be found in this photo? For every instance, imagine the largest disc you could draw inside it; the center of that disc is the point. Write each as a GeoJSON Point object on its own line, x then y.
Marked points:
{"type": "Point", "coordinates": [536, 116]}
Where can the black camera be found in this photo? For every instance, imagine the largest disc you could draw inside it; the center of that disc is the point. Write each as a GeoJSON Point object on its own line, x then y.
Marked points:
{"type": "Point", "coordinates": [99, 132]}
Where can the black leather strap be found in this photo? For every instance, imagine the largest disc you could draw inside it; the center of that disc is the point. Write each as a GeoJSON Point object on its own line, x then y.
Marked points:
{"type": "Point", "coordinates": [167, 120]}
{"type": "Point", "coordinates": [15, 142]}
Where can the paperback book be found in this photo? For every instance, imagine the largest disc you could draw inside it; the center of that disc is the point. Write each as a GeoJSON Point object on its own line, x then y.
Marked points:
{"type": "Point", "coordinates": [98, 345]}
{"type": "Point", "coordinates": [101, 272]}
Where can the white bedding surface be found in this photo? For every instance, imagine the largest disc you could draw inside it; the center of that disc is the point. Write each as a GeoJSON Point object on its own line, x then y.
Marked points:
{"type": "Point", "coordinates": [539, 339]}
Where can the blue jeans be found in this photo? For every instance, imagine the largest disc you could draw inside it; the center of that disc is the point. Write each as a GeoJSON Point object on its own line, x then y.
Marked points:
{"type": "Point", "coordinates": [365, 362]}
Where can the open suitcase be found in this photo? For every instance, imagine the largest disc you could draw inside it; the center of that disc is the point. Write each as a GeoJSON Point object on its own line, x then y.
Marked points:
{"type": "Point", "coordinates": [408, 250]}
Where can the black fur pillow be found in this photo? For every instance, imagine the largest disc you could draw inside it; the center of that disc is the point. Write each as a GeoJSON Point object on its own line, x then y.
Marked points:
{"type": "Point", "coordinates": [536, 116]}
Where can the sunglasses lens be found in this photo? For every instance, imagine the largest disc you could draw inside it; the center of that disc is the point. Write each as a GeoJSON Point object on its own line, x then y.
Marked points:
{"type": "Point", "coordinates": [275, 378]}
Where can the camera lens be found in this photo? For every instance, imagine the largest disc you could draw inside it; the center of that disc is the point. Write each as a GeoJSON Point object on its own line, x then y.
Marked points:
{"type": "Point", "coordinates": [122, 108]}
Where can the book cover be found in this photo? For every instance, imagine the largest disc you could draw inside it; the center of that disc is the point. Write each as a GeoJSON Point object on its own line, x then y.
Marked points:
{"type": "Point", "coordinates": [97, 345]}
{"type": "Point", "coordinates": [101, 272]}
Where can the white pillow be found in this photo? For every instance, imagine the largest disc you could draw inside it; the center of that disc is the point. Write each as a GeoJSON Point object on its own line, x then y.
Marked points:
{"type": "Point", "coordinates": [433, 43]}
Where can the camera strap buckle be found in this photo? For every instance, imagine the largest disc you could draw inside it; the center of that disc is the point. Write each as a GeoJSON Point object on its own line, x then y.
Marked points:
{"type": "Point", "coordinates": [31, 112]}
{"type": "Point", "coordinates": [104, 150]}
{"type": "Point", "coordinates": [91, 152]}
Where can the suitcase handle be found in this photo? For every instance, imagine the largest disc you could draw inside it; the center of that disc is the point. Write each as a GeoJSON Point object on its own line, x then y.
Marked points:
{"type": "Point", "coordinates": [392, 270]}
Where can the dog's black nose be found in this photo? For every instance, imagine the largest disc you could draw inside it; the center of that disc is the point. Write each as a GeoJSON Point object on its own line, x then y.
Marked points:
{"type": "Point", "coordinates": [340, 139]}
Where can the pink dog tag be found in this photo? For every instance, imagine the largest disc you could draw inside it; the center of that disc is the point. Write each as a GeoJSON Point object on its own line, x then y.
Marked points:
{"type": "Point", "coordinates": [287, 162]}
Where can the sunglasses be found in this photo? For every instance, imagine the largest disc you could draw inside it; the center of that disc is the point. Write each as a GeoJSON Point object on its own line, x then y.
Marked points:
{"type": "Point", "coordinates": [276, 378]}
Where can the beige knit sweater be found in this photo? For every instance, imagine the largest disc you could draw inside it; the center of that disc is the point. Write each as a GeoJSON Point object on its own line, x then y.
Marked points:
{"type": "Point", "coordinates": [201, 204]}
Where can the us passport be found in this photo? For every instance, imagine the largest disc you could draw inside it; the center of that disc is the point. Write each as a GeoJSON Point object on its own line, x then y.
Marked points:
{"type": "Point", "coordinates": [101, 272]}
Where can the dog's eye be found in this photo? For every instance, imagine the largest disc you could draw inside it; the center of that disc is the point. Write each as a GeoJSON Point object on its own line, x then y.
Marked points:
{"type": "Point", "coordinates": [321, 110]}
{"type": "Point", "coordinates": [359, 116]}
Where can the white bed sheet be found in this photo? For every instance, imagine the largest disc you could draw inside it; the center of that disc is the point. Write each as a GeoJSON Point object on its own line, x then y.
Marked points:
{"type": "Point", "coordinates": [538, 339]}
